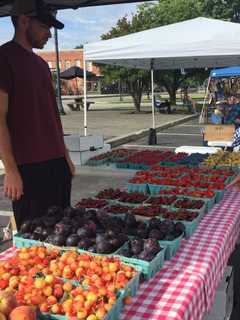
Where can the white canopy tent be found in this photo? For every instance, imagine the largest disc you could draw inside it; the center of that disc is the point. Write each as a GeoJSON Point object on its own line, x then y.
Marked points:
{"type": "Point", "coordinates": [195, 43]}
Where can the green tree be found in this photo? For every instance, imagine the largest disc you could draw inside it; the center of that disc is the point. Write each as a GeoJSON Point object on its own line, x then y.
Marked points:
{"type": "Point", "coordinates": [164, 13]}
{"type": "Point", "coordinates": [151, 15]}
{"type": "Point", "coordinates": [221, 9]}
{"type": "Point", "coordinates": [148, 16]}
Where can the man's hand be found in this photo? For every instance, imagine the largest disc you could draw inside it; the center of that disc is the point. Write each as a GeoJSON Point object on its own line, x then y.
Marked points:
{"type": "Point", "coordinates": [13, 185]}
{"type": "Point", "coordinates": [234, 183]}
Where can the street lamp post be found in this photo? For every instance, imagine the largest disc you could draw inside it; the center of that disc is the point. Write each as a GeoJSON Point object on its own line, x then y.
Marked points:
{"type": "Point", "coordinates": [59, 98]}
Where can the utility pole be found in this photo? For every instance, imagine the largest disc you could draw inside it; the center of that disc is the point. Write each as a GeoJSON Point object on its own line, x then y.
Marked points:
{"type": "Point", "coordinates": [59, 97]}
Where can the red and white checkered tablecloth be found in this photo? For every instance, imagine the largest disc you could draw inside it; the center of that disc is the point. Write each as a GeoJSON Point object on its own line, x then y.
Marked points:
{"type": "Point", "coordinates": [206, 253]}
{"type": "Point", "coordinates": [170, 295]}
{"type": "Point", "coordinates": [201, 260]}
{"type": "Point", "coordinates": [184, 289]}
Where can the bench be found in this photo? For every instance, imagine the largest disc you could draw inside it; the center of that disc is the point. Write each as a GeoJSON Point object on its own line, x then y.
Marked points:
{"type": "Point", "coordinates": [79, 104]}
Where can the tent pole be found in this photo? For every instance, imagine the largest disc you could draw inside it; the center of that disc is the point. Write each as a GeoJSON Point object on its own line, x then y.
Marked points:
{"type": "Point", "coordinates": [204, 108]}
{"type": "Point", "coordinates": [59, 98]}
{"type": "Point", "coordinates": [152, 139]}
{"type": "Point", "coordinates": [153, 109]}
{"type": "Point", "coordinates": [85, 96]}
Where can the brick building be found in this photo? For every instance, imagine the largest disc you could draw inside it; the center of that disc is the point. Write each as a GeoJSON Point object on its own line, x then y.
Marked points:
{"type": "Point", "coordinates": [70, 58]}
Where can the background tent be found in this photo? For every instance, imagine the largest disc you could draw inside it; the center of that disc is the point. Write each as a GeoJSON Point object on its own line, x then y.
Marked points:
{"type": "Point", "coordinates": [225, 72]}
{"type": "Point", "coordinates": [76, 72]}
{"type": "Point", "coordinates": [195, 43]}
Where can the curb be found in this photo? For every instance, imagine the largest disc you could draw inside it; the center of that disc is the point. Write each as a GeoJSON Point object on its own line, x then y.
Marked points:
{"type": "Point", "coordinates": [114, 142]}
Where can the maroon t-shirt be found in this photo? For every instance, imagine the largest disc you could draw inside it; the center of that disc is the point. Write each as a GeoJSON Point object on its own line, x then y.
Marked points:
{"type": "Point", "coordinates": [33, 119]}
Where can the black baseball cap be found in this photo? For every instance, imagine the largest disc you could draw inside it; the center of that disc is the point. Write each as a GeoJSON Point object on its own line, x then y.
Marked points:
{"type": "Point", "coordinates": [36, 9]}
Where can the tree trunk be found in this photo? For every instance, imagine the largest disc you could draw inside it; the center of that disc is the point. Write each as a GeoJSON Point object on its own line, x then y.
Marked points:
{"type": "Point", "coordinates": [172, 96]}
{"type": "Point", "coordinates": [136, 90]}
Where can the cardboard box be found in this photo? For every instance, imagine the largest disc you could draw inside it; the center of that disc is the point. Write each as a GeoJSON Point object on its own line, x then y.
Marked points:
{"type": "Point", "coordinates": [223, 303]}
{"type": "Point", "coordinates": [79, 158]}
{"type": "Point", "coordinates": [219, 132]}
{"type": "Point", "coordinates": [81, 143]}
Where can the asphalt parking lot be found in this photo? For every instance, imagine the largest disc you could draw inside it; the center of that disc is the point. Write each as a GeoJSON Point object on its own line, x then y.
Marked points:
{"type": "Point", "coordinates": [187, 134]}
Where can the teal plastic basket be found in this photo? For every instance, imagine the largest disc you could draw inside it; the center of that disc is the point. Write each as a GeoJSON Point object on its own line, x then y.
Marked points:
{"type": "Point", "coordinates": [137, 187]}
{"type": "Point", "coordinates": [122, 165]}
{"type": "Point", "coordinates": [209, 202]}
{"type": "Point", "coordinates": [155, 188]}
{"type": "Point", "coordinates": [171, 246]}
{"type": "Point", "coordinates": [21, 242]}
{"type": "Point", "coordinates": [94, 163]}
{"type": "Point", "coordinates": [144, 167]}
{"type": "Point", "coordinates": [219, 195]}
{"type": "Point", "coordinates": [168, 164]}
{"type": "Point", "coordinates": [113, 313]}
{"type": "Point", "coordinates": [134, 166]}
{"type": "Point", "coordinates": [190, 226]}
{"type": "Point", "coordinates": [148, 268]}
{"type": "Point", "coordinates": [116, 252]}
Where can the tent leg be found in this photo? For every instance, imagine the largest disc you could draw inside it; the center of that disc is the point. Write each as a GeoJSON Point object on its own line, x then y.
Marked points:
{"type": "Point", "coordinates": [85, 96]}
{"type": "Point", "coordinates": [204, 108]}
{"type": "Point", "coordinates": [59, 98]}
{"type": "Point", "coordinates": [152, 139]}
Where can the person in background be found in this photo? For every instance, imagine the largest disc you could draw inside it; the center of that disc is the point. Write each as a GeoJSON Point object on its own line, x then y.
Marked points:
{"type": "Point", "coordinates": [217, 117]}
{"type": "Point", "coordinates": [38, 169]}
{"type": "Point", "coordinates": [190, 103]}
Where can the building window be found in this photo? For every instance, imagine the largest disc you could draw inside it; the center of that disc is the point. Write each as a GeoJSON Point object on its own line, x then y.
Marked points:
{"type": "Point", "coordinates": [89, 66]}
{"type": "Point", "coordinates": [78, 63]}
{"type": "Point", "coordinates": [50, 64]}
{"type": "Point", "coordinates": [67, 64]}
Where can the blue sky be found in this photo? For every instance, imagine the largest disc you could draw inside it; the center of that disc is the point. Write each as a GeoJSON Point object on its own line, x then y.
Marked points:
{"type": "Point", "coordinates": [81, 26]}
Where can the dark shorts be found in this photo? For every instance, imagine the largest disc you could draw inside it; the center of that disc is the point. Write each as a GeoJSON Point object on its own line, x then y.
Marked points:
{"type": "Point", "coordinates": [45, 184]}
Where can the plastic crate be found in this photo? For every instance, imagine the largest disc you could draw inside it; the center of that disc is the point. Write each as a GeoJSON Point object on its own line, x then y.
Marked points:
{"type": "Point", "coordinates": [171, 246]}
{"type": "Point", "coordinates": [21, 242]}
{"type": "Point", "coordinates": [137, 187]}
{"type": "Point", "coordinates": [148, 268]}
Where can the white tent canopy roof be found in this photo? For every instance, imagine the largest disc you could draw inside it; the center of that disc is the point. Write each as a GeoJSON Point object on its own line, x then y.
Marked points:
{"type": "Point", "coordinates": [195, 43]}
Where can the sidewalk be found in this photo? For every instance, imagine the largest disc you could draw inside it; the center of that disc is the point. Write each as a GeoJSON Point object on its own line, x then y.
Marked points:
{"type": "Point", "coordinates": [113, 118]}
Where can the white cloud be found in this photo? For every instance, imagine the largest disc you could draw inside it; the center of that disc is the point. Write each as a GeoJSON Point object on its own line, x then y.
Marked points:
{"type": "Point", "coordinates": [81, 25]}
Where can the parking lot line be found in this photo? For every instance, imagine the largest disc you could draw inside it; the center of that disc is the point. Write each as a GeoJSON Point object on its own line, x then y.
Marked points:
{"type": "Point", "coordinates": [178, 134]}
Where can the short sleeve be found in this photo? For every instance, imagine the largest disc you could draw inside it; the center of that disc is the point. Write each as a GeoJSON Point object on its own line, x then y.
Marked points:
{"type": "Point", "coordinates": [5, 74]}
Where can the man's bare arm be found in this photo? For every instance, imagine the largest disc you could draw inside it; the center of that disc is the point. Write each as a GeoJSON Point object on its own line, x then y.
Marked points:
{"type": "Point", "coordinates": [13, 186]}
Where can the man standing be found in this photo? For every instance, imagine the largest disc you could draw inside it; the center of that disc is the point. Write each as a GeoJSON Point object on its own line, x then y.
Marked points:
{"type": "Point", "coordinates": [38, 169]}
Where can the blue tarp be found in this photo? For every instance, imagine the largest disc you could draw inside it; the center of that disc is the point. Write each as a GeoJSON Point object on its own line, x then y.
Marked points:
{"type": "Point", "coordinates": [225, 72]}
